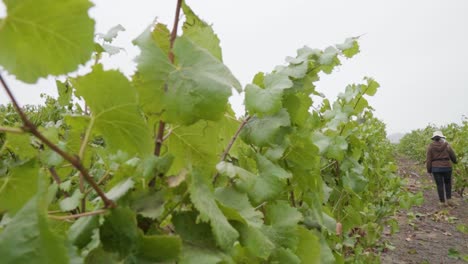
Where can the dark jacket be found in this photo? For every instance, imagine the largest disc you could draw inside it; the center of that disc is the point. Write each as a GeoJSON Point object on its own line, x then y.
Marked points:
{"type": "Point", "coordinates": [439, 155]}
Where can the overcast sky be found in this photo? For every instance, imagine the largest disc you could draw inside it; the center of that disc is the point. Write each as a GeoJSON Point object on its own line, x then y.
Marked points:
{"type": "Point", "coordinates": [415, 49]}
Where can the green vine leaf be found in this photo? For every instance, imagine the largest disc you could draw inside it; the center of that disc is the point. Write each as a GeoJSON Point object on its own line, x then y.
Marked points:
{"type": "Point", "coordinates": [371, 87]}
{"type": "Point", "coordinates": [119, 232]}
{"type": "Point", "coordinates": [149, 204]}
{"type": "Point", "coordinates": [309, 247]}
{"type": "Point", "coordinates": [200, 32]}
{"type": "Point", "coordinates": [98, 256]}
{"type": "Point", "coordinates": [281, 214]}
{"type": "Point", "coordinates": [204, 200]}
{"type": "Point", "coordinates": [21, 145]}
{"type": "Point", "coordinates": [153, 67]}
{"type": "Point", "coordinates": [193, 232]}
{"type": "Point", "coordinates": [200, 86]}
{"type": "Point", "coordinates": [112, 33]}
{"type": "Point", "coordinates": [78, 125]}
{"type": "Point", "coordinates": [354, 178]}
{"type": "Point", "coordinates": [65, 93]}
{"type": "Point", "coordinates": [196, 255]}
{"type": "Point", "coordinates": [115, 115]}
{"type": "Point", "coordinates": [38, 39]}
{"type": "Point", "coordinates": [349, 48]}
{"type": "Point", "coordinates": [298, 106]}
{"type": "Point", "coordinates": [28, 237]}
{"type": "Point", "coordinates": [200, 143]}
{"type": "Point", "coordinates": [71, 202]}
{"type": "Point", "coordinates": [267, 100]}
{"type": "Point", "coordinates": [267, 130]}
{"type": "Point", "coordinates": [120, 189]}
{"type": "Point", "coordinates": [18, 186]}
{"type": "Point", "coordinates": [281, 224]}
{"type": "Point", "coordinates": [159, 248]}
{"type": "Point", "coordinates": [81, 231]}
{"type": "Point", "coordinates": [256, 242]}
{"type": "Point", "coordinates": [236, 206]}
{"type": "Point", "coordinates": [284, 255]}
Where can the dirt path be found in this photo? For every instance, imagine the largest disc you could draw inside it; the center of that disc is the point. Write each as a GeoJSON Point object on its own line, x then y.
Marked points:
{"type": "Point", "coordinates": [428, 233]}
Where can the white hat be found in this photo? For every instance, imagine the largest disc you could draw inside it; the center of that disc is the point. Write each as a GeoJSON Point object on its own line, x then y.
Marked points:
{"type": "Point", "coordinates": [437, 134]}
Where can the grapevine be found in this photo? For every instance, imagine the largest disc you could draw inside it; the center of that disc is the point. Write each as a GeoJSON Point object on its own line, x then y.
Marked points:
{"type": "Point", "coordinates": [156, 168]}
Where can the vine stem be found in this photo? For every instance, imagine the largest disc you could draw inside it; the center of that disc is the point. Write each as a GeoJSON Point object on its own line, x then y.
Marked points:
{"type": "Point", "coordinates": [328, 165]}
{"type": "Point", "coordinates": [231, 143]}
{"type": "Point", "coordinates": [28, 126]}
{"type": "Point", "coordinates": [162, 125]}
{"type": "Point", "coordinates": [81, 154]}
{"type": "Point", "coordinates": [75, 216]}
{"type": "Point", "coordinates": [159, 138]}
{"type": "Point", "coordinates": [12, 130]}
{"type": "Point", "coordinates": [170, 211]}
{"type": "Point", "coordinates": [100, 181]}
{"type": "Point", "coordinates": [84, 143]}
{"type": "Point", "coordinates": [292, 197]}
{"type": "Point", "coordinates": [354, 107]}
{"type": "Point", "coordinates": [56, 178]}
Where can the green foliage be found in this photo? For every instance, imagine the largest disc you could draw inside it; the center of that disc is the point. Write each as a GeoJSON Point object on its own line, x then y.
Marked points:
{"type": "Point", "coordinates": [282, 184]}
{"type": "Point", "coordinates": [28, 236]}
{"type": "Point", "coordinates": [118, 233]}
{"type": "Point", "coordinates": [18, 186]}
{"type": "Point", "coordinates": [55, 37]}
{"type": "Point", "coordinates": [414, 144]}
{"type": "Point", "coordinates": [159, 248]}
{"type": "Point", "coordinates": [267, 99]}
{"type": "Point", "coordinates": [204, 201]}
{"type": "Point", "coordinates": [115, 115]}
{"type": "Point", "coordinates": [199, 87]}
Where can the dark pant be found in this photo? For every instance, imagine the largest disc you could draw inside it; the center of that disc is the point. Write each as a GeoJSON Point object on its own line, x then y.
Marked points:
{"type": "Point", "coordinates": [444, 184]}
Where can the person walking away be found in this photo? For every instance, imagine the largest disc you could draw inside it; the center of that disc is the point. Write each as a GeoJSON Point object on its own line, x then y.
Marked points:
{"type": "Point", "coordinates": [439, 159]}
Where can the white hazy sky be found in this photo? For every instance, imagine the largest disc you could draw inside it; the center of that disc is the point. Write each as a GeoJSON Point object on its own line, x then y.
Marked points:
{"type": "Point", "coordinates": [415, 49]}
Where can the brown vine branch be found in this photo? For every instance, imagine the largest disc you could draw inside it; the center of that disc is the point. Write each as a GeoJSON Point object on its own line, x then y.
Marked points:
{"type": "Point", "coordinates": [160, 136]}
{"type": "Point", "coordinates": [100, 181]}
{"type": "Point", "coordinates": [28, 126]}
{"type": "Point", "coordinates": [82, 190]}
{"type": "Point", "coordinates": [56, 178]}
{"type": "Point", "coordinates": [162, 125]}
{"type": "Point", "coordinates": [175, 26]}
{"type": "Point", "coordinates": [292, 197]}
{"type": "Point", "coordinates": [231, 143]}
{"type": "Point", "coordinates": [75, 216]}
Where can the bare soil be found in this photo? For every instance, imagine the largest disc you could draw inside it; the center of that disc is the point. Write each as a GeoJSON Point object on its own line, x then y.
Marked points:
{"type": "Point", "coordinates": [428, 233]}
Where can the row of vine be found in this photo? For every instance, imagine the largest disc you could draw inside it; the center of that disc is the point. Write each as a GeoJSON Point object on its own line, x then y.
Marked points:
{"type": "Point", "coordinates": [157, 168]}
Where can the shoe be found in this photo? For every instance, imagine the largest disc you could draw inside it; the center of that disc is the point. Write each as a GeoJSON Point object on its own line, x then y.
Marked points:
{"type": "Point", "coordinates": [442, 204]}
{"type": "Point", "coordinates": [452, 203]}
